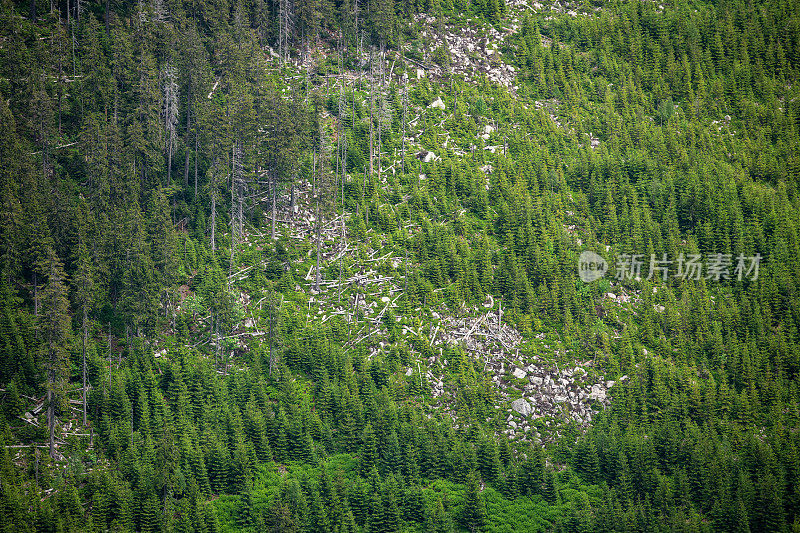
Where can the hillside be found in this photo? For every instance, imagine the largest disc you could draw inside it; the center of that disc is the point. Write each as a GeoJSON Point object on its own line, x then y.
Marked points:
{"type": "Point", "coordinates": [367, 266]}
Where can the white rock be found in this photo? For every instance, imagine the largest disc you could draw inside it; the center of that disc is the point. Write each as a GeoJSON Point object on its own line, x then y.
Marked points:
{"type": "Point", "coordinates": [385, 299]}
{"type": "Point", "coordinates": [519, 373]}
{"type": "Point", "coordinates": [522, 406]}
{"type": "Point", "coordinates": [597, 394]}
{"type": "Point", "coordinates": [536, 380]}
{"type": "Point", "coordinates": [488, 129]}
{"type": "Point", "coordinates": [513, 424]}
{"type": "Point", "coordinates": [409, 371]}
{"type": "Point", "coordinates": [437, 104]}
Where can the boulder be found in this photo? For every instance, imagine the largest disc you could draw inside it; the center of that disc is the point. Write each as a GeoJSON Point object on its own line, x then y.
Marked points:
{"type": "Point", "coordinates": [522, 406]}
{"type": "Point", "coordinates": [519, 373]}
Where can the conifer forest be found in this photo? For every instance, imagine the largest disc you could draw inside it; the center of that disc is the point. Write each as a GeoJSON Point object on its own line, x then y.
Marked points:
{"type": "Point", "coordinates": [412, 266]}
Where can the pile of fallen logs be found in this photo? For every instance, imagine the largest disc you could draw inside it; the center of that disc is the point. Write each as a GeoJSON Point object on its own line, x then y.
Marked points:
{"type": "Point", "coordinates": [484, 334]}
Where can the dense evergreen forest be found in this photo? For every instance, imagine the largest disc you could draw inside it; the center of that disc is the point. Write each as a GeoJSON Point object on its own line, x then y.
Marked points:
{"type": "Point", "coordinates": [313, 265]}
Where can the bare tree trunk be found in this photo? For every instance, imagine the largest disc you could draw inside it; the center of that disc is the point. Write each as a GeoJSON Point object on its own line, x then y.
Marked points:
{"type": "Point", "coordinates": [196, 144]}
{"type": "Point", "coordinates": [85, 339]}
{"type": "Point", "coordinates": [169, 166]}
{"type": "Point", "coordinates": [319, 243]}
{"type": "Point", "coordinates": [35, 296]}
{"type": "Point", "coordinates": [274, 205]}
{"type": "Point", "coordinates": [213, 221]}
{"type": "Point", "coordinates": [339, 297]}
{"type": "Point", "coordinates": [405, 283]}
{"type": "Point", "coordinates": [109, 354]}
{"type": "Point", "coordinates": [216, 340]}
{"type": "Point", "coordinates": [188, 129]}
{"type": "Point", "coordinates": [60, 82]}
{"type": "Point", "coordinates": [237, 198]}
{"type": "Point", "coordinates": [371, 112]}
{"type": "Point", "coordinates": [273, 361]}
{"type": "Point", "coordinates": [380, 110]}
{"type": "Point", "coordinates": [405, 119]}
{"type": "Point", "coordinates": [51, 411]}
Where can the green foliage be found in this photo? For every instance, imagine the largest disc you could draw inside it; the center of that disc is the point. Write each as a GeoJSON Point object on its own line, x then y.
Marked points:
{"type": "Point", "coordinates": [121, 196]}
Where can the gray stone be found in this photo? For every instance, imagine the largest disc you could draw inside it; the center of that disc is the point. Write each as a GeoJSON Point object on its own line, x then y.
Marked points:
{"type": "Point", "coordinates": [522, 406]}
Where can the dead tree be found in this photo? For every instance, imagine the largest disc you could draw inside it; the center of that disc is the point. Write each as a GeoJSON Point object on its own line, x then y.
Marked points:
{"type": "Point", "coordinates": [237, 198]}
{"type": "Point", "coordinates": [324, 195]}
{"type": "Point", "coordinates": [371, 110]}
{"type": "Point", "coordinates": [273, 312]}
{"type": "Point", "coordinates": [85, 341]}
{"type": "Point", "coordinates": [215, 173]}
{"type": "Point", "coordinates": [380, 110]}
{"type": "Point", "coordinates": [405, 119]}
{"type": "Point", "coordinates": [170, 115]}
{"type": "Point", "coordinates": [186, 137]}
{"type": "Point", "coordinates": [285, 24]}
